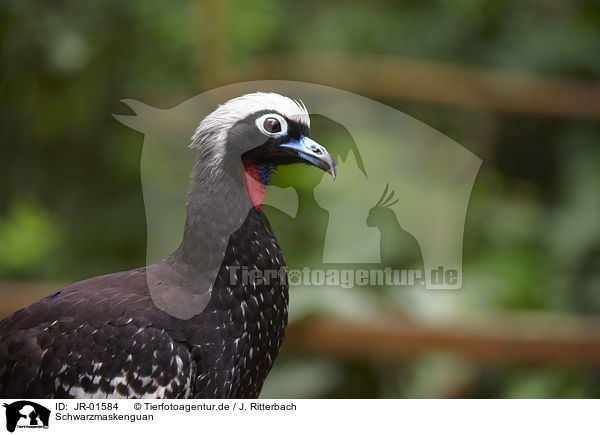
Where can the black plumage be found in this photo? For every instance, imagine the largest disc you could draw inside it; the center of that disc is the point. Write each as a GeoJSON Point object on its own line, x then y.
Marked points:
{"type": "Point", "coordinates": [109, 329]}
{"type": "Point", "coordinates": [120, 335]}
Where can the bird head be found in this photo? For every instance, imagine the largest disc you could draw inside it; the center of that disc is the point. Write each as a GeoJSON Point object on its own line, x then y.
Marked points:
{"type": "Point", "coordinates": [253, 134]}
{"type": "Point", "coordinates": [381, 213]}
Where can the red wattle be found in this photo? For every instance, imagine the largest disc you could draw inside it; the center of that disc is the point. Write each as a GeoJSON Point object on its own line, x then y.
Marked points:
{"type": "Point", "coordinates": [254, 188]}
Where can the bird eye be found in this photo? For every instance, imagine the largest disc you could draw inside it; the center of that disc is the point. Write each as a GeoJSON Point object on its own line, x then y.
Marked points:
{"type": "Point", "coordinates": [272, 125]}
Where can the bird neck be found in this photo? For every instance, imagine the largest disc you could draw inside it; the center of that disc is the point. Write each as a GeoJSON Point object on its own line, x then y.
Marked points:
{"type": "Point", "coordinates": [217, 205]}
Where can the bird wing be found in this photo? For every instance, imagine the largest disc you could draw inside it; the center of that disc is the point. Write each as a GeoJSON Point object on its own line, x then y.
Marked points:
{"type": "Point", "coordinates": [101, 337]}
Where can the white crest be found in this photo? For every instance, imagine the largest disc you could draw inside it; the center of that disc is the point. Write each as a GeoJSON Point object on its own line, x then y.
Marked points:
{"type": "Point", "coordinates": [213, 129]}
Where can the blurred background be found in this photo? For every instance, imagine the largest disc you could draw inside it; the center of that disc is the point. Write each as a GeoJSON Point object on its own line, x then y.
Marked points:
{"type": "Point", "coordinates": [515, 82]}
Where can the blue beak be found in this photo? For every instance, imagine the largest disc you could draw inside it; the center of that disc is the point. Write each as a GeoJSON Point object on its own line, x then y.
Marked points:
{"type": "Point", "coordinates": [307, 149]}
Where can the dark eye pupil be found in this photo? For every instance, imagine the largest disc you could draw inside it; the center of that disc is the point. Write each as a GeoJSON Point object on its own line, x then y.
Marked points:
{"type": "Point", "coordinates": [272, 125]}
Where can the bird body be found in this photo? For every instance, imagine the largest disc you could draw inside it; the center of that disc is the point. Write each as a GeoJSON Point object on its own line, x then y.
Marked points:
{"type": "Point", "coordinates": [183, 327]}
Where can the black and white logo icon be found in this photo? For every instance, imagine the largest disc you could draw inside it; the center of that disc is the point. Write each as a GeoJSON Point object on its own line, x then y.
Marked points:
{"type": "Point", "coordinates": [25, 414]}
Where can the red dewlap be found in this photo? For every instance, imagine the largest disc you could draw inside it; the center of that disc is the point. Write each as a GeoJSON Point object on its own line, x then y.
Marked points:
{"type": "Point", "coordinates": [254, 188]}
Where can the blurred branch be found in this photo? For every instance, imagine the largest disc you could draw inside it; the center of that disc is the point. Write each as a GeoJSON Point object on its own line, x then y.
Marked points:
{"type": "Point", "coordinates": [516, 338]}
{"type": "Point", "coordinates": [212, 44]}
{"type": "Point", "coordinates": [429, 81]}
{"type": "Point", "coordinates": [513, 339]}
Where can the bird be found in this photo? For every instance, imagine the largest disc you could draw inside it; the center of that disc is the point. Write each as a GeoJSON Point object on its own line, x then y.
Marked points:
{"type": "Point", "coordinates": [398, 248]}
{"type": "Point", "coordinates": [182, 327]}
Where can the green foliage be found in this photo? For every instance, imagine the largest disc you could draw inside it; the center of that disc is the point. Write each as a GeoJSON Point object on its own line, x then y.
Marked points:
{"type": "Point", "coordinates": [28, 233]}
{"type": "Point", "coordinates": [532, 239]}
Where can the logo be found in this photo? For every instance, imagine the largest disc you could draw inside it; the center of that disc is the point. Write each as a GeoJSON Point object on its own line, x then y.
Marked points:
{"type": "Point", "coordinates": [398, 205]}
{"type": "Point", "coordinates": [26, 415]}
